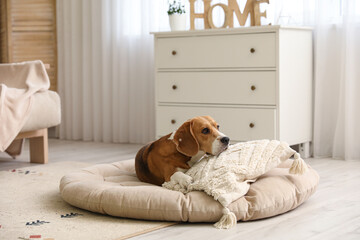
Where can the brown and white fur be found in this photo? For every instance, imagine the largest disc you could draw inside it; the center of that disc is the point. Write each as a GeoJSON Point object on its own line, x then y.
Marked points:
{"type": "Point", "coordinates": [171, 155]}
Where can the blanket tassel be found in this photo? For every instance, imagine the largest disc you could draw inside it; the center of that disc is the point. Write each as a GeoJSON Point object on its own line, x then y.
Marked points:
{"type": "Point", "coordinates": [228, 220]}
{"type": "Point", "coordinates": [299, 166]}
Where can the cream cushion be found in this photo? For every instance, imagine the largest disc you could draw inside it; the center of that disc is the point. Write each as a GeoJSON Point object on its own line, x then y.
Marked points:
{"type": "Point", "coordinates": [45, 111]}
{"type": "Point", "coordinates": [115, 190]}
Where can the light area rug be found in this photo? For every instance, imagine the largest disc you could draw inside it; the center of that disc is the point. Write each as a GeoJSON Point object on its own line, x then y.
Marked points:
{"type": "Point", "coordinates": [31, 208]}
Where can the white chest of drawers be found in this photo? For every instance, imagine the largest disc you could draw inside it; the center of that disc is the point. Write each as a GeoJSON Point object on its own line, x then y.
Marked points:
{"type": "Point", "coordinates": [256, 82]}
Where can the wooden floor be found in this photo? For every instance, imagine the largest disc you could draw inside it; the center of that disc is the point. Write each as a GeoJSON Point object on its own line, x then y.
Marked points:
{"type": "Point", "coordinates": [74, 151]}
{"type": "Point", "coordinates": [333, 212]}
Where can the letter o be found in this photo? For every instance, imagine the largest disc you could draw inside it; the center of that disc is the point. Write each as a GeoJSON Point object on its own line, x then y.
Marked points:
{"type": "Point", "coordinates": [210, 19]}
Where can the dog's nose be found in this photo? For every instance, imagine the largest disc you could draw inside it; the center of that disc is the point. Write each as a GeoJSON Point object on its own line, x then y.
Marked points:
{"type": "Point", "coordinates": [225, 140]}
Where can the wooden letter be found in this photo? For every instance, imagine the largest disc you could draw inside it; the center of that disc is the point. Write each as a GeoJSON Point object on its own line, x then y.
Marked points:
{"type": "Point", "coordinates": [194, 15]}
{"type": "Point", "coordinates": [234, 7]}
{"type": "Point", "coordinates": [210, 19]}
{"type": "Point", "coordinates": [257, 14]}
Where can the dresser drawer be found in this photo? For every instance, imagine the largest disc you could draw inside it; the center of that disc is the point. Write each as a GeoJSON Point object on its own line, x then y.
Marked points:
{"type": "Point", "coordinates": [240, 124]}
{"type": "Point", "coordinates": [221, 51]}
{"type": "Point", "coordinates": [217, 87]}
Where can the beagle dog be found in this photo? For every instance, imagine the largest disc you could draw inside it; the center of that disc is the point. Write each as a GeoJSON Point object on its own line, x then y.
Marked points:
{"type": "Point", "coordinates": [171, 155]}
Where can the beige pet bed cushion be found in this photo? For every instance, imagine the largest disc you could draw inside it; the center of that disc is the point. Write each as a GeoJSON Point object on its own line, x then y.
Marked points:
{"type": "Point", "coordinates": [114, 189]}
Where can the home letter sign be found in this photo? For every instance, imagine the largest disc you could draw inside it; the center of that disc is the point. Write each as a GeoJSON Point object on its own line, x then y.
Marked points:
{"type": "Point", "coordinates": [251, 7]}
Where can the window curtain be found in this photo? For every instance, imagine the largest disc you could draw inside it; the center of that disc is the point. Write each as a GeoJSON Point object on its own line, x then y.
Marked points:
{"type": "Point", "coordinates": [336, 26]}
{"type": "Point", "coordinates": [106, 67]}
{"type": "Point", "coordinates": [337, 80]}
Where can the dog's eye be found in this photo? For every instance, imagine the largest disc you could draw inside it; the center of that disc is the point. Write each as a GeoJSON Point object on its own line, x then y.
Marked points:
{"type": "Point", "coordinates": [217, 126]}
{"type": "Point", "coordinates": [205, 131]}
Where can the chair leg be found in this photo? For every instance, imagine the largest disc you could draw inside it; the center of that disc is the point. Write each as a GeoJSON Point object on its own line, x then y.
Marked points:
{"type": "Point", "coordinates": [39, 148]}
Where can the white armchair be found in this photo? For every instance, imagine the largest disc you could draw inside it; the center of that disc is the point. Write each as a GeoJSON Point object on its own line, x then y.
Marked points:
{"type": "Point", "coordinates": [45, 112]}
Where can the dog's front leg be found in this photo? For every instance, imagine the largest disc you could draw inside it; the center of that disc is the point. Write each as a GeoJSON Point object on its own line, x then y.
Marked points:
{"type": "Point", "coordinates": [179, 181]}
{"type": "Point", "coordinates": [182, 179]}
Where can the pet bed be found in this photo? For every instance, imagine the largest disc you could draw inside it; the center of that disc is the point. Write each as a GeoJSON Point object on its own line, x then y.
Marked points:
{"type": "Point", "coordinates": [115, 190]}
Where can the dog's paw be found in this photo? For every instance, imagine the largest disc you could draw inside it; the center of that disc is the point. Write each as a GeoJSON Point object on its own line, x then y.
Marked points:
{"type": "Point", "coordinates": [182, 179]}
{"type": "Point", "coordinates": [186, 181]}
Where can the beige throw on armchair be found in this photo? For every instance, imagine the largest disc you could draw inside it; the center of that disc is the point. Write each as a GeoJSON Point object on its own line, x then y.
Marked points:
{"type": "Point", "coordinates": [18, 83]}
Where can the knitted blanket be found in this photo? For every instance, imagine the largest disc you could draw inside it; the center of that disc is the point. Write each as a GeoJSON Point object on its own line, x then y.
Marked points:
{"type": "Point", "coordinates": [227, 177]}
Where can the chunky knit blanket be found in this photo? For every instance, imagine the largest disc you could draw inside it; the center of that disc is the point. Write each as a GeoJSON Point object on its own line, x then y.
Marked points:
{"type": "Point", "coordinates": [227, 177]}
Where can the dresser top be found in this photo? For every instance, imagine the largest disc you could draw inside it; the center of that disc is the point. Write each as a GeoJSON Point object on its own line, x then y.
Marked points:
{"type": "Point", "coordinates": [225, 31]}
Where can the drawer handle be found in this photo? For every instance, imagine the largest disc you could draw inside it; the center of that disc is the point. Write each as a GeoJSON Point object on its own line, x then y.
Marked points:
{"type": "Point", "coordinates": [173, 52]}
{"type": "Point", "coordinates": [173, 121]}
{"type": "Point", "coordinates": [251, 125]}
{"type": "Point", "coordinates": [252, 50]}
{"type": "Point", "coordinates": [253, 88]}
{"type": "Point", "coordinates": [174, 87]}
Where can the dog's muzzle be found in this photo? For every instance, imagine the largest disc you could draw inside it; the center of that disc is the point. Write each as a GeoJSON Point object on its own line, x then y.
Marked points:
{"type": "Point", "coordinates": [225, 140]}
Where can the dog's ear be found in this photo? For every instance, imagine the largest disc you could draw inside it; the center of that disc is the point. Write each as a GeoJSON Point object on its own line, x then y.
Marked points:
{"type": "Point", "coordinates": [185, 140]}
